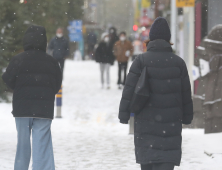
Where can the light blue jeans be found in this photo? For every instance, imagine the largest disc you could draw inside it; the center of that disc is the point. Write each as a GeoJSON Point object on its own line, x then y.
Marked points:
{"type": "Point", "coordinates": [42, 151]}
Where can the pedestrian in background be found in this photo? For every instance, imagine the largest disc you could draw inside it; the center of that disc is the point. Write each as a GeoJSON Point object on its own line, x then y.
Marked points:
{"type": "Point", "coordinates": [123, 50]}
{"type": "Point", "coordinates": [113, 36]}
{"type": "Point", "coordinates": [91, 42]}
{"type": "Point", "coordinates": [35, 78]}
{"type": "Point", "coordinates": [208, 98]}
{"type": "Point", "coordinates": [158, 126]}
{"type": "Point", "coordinates": [104, 56]}
{"type": "Point", "coordinates": [59, 46]}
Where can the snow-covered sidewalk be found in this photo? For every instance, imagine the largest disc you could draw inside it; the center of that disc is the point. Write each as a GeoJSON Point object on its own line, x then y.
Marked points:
{"type": "Point", "coordinates": [89, 137]}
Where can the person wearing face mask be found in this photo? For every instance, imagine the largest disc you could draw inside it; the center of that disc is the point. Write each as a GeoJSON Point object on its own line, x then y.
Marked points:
{"type": "Point", "coordinates": [59, 47]}
{"type": "Point", "coordinates": [105, 58]}
{"type": "Point", "coordinates": [123, 50]}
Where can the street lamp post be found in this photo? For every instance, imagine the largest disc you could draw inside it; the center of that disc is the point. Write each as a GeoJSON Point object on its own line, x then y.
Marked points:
{"type": "Point", "coordinates": [156, 8]}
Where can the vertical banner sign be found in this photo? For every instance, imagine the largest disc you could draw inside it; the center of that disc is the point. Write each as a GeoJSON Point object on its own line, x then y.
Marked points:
{"type": "Point", "coordinates": [139, 8]}
{"type": "Point", "coordinates": [146, 3]}
{"type": "Point", "coordinates": [137, 13]}
{"type": "Point", "coordinates": [185, 3]}
{"type": "Point", "coordinates": [75, 30]}
{"type": "Point", "coordinates": [146, 13]}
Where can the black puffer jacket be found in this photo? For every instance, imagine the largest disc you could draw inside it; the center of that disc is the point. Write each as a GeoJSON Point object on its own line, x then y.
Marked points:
{"type": "Point", "coordinates": [158, 127]}
{"type": "Point", "coordinates": [34, 76]}
{"type": "Point", "coordinates": [104, 53]}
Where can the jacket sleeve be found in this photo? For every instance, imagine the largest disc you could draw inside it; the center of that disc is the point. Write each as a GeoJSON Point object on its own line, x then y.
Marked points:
{"type": "Point", "coordinates": [115, 49]}
{"type": "Point", "coordinates": [58, 77]}
{"type": "Point", "coordinates": [51, 44]}
{"type": "Point", "coordinates": [131, 81]}
{"type": "Point", "coordinates": [186, 97]}
{"type": "Point", "coordinates": [97, 53]}
{"type": "Point", "coordinates": [9, 77]}
{"type": "Point", "coordinates": [67, 48]}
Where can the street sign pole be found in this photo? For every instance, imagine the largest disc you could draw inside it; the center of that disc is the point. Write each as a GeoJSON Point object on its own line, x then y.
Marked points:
{"type": "Point", "coordinates": [59, 104]}
{"type": "Point", "coordinates": [131, 124]}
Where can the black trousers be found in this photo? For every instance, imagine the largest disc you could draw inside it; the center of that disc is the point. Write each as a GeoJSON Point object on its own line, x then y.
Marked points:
{"type": "Point", "coordinates": [122, 67]}
{"type": "Point", "coordinates": [158, 166]}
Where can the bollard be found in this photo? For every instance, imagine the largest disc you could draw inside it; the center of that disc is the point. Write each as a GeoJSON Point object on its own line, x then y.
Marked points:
{"type": "Point", "coordinates": [59, 104]}
{"type": "Point", "coordinates": [131, 124]}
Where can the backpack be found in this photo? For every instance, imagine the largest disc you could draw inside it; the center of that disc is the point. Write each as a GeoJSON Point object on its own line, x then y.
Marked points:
{"type": "Point", "coordinates": [141, 93]}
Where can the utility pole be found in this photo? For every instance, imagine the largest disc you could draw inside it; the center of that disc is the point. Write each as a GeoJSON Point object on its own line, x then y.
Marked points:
{"type": "Point", "coordinates": [173, 24]}
{"type": "Point", "coordinates": [191, 43]}
{"type": "Point", "coordinates": [156, 8]}
{"type": "Point", "coordinates": [104, 10]}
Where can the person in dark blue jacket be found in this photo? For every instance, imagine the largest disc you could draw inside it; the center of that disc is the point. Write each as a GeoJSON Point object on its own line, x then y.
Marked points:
{"type": "Point", "coordinates": [59, 46]}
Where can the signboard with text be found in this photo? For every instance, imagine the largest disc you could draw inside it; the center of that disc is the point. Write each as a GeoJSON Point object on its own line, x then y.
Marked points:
{"type": "Point", "coordinates": [185, 3]}
{"type": "Point", "coordinates": [75, 30]}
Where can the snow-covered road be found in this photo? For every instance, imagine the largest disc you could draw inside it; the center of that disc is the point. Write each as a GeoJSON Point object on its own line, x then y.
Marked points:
{"type": "Point", "coordinates": [89, 137]}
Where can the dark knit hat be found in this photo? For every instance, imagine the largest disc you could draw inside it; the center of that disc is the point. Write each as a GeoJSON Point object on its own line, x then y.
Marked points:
{"type": "Point", "coordinates": [160, 30]}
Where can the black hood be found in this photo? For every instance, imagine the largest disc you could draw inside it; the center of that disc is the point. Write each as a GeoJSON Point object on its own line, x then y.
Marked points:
{"type": "Point", "coordinates": [35, 38]}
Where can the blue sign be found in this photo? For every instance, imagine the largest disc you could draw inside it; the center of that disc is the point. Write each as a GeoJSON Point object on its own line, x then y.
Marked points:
{"type": "Point", "coordinates": [75, 30]}
{"type": "Point", "coordinates": [93, 5]}
{"type": "Point", "coordinates": [75, 37]}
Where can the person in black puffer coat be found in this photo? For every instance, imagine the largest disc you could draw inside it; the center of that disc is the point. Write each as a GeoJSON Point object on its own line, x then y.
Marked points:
{"type": "Point", "coordinates": [104, 56]}
{"type": "Point", "coordinates": [158, 126]}
{"type": "Point", "coordinates": [113, 36]}
{"type": "Point", "coordinates": [35, 78]}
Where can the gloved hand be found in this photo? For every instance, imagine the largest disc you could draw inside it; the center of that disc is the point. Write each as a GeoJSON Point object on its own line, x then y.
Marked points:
{"type": "Point", "coordinates": [127, 53]}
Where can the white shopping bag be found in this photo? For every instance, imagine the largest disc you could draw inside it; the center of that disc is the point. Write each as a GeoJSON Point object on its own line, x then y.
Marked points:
{"type": "Point", "coordinates": [204, 67]}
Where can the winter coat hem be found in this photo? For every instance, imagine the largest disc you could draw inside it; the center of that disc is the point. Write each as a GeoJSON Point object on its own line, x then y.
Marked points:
{"type": "Point", "coordinates": [155, 162]}
{"type": "Point", "coordinates": [123, 121]}
{"type": "Point", "coordinates": [38, 116]}
{"type": "Point", "coordinates": [157, 156]}
{"type": "Point", "coordinates": [31, 117]}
